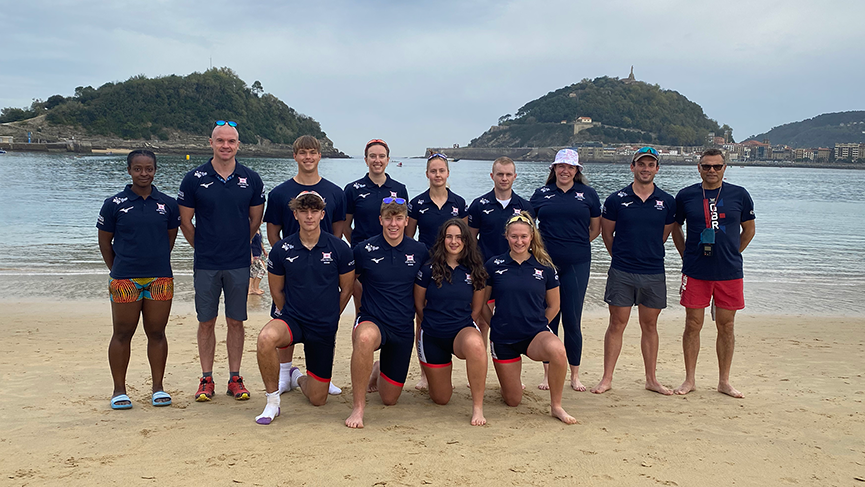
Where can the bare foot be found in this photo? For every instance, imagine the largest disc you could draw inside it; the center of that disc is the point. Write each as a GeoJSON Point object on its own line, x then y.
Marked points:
{"type": "Point", "coordinates": [577, 385]}
{"type": "Point", "coordinates": [544, 385]}
{"type": "Point", "coordinates": [726, 388]}
{"type": "Point", "coordinates": [524, 386]}
{"type": "Point", "coordinates": [478, 418]}
{"type": "Point", "coordinates": [563, 415]}
{"type": "Point", "coordinates": [356, 419]}
{"type": "Point", "coordinates": [602, 387]}
{"type": "Point", "coordinates": [373, 379]}
{"type": "Point", "coordinates": [422, 385]}
{"type": "Point", "coordinates": [685, 388]}
{"type": "Point", "coordinates": [251, 292]}
{"type": "Point", "coordinates": [259, 291]}
{"type": "Point", "coordinates": [658, 387]}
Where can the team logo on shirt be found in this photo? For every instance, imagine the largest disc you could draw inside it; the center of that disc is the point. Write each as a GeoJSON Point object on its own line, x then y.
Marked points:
{"type": "Point", "coordinates": [393, 194]}
{"type": "Point", "coordinates": [292, 259]}
{"type": "Point", "coordinates": [287, 246]}
{"type": "Point", "coordinates": [100, 220]}
{"type": "Point", "coordinates": [180, 195]}
{"type": "Point", "coordinates": [370, 247]}
{"type": "Point", "coordinates": [501, 271]}
{"type": "Point", "coordinates": [409, 259]}
{"type": "Point", "coordinates": [517, 211]}
{"type": "Point", "coordinates": [549, 196]}
{"type": "Point", "coordinates": [419, 273]}
{"type": "Point", "coordinates": [378, 260]}
{"type": "Point", "coordinates": [659, 205]}
{"type": "Point", "coordinates": [539, 274]}
{"type": "Point", "coordinates": [199, 174]}
{"type": "Point", "coordinates": [544, 189]}
{"type": "Point", "coordinates": [160, 208]}
{"type": "Point", "coordinates": [126, 210]}
{"type": "Point", "coordinates": [487, 212]}
{"type": "Point", "coordinates": [469, 279]}
{"type": "Point", "coordinates": [579, 196]}
{"type": "Point", "coordinates": [627, 203]}
{"type": "Point", "coordinates": [117, 200]}
{"type": "Point", "coordinates": [420, 202]}
{"type": "Point", "coordinates": [621, 194]}
{"type": "Point", "coordinates": [325, 257]}
{"type": "Point", "coordinates": [206, 185]}
{"type": "Point", "coordinates": [423, 211]}
{"type": "Point", "coordinates": [483, 201]}
{"type": "Point", "coordinates": [499, 261]}
{"type": "Point", "coordinates": [358, 185]}
{"type": "Point", "coordinates": [455, 211]}
{"type": "Point", "coordinates": [241, 182]}
{"type": "Point", "coordinates": [364, 195]}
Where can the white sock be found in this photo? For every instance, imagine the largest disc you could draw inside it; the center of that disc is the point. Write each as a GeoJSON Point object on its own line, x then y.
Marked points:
{"type": "Point", "coordinates": [271, 410]}
{"type": "Point", "coordinates": [295, 374]}
{"type": "Point", "coordinates": [284, 377]}
{"type": "Point", "coordinates": [332, 389]}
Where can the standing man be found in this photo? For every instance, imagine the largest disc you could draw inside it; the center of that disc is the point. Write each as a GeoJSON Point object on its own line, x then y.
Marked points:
{"type": "Point", "coordinates": [227, 200]}
{"type": "Point", "coordinates": [311, 279]}
{"type": "Point", "coordinates": [720, 225]}
{"type": "Point", "coordinates": [281, 221]}
{"type": "Point", "coordinates": [635, 223]}
{"type": "Point", "coordinates": [386, 265]}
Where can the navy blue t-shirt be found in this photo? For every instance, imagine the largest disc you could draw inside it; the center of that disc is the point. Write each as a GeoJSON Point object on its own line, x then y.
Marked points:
{"type": "Point", "coordinates": [520, 291]}
{"type": "Point", "coordinates": [564, 221]}
{"type": "Point", "coordinates": [638, 245]}
{"type": "Point", "coordinates": [221, 214]}
{"type": "Point", "coordinates": [448, 308]}
{"type": "Point", "coordinates": [363, 201]}
{"type": "Point", "coordinates": [278, 212]}
{"type": "Point", "coordinates": [312, 278]}
{"type": "Point", "coordinates": [430, 217]}
{"type": "Point", "coordinates": [487, 215]}
{"type": "Point", "coordinates": [140, 227]}
{"type": "Point", "coordinates": [387, 274]}
{"type": "Point", "coordinates": [725, 216]}
{"type": "Point", "coordinates": [255, 245]}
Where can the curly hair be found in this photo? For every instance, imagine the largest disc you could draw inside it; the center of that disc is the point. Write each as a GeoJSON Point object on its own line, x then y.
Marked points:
{"type": "Point", "coordinates": [470, 257]}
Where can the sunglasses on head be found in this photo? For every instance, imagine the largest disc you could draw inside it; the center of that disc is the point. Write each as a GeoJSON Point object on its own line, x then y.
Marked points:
{"type": "Point", "coordinates": [304, 193]}
{"type": "Point", "coordinates": [230, 123]}
{"type": "Point", "coordinates": [519, 218]}
{"type": "Point", "coordinates": [390, 199]}
{"type": "Point", "coordinates": [716, 167]}
{"type": "Point", "coordinates": [648, 150]}
{"type": "Point", "coordinates": [437, 154]}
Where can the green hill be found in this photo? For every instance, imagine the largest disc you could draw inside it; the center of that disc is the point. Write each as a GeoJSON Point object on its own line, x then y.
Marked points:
{"type": "Point", "coordinates": [149, 108]}
{"type": "Point", "coordinates": [623, 111]}
{"type": "Point", "coordinates": [821, 131]}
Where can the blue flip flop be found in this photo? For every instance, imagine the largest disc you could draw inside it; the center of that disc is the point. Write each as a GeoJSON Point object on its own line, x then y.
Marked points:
{"type": "Point", "coordinates": [160, 395]}
{"type": "Point", "coordinates": [116, 400]}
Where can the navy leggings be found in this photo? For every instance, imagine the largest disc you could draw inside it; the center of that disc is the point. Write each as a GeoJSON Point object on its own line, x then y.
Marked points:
{"type": "Point", "coordinates": [573, 281]}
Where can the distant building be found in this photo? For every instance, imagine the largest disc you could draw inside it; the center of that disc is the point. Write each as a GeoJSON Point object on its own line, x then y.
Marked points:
{"type": "Point", "coordinates": [824, 154]}
{"type": "Point", "coordinates": [584, 119]}
{"type": "Point", "coordinates": [6, 139]}
{"type": "Point", "coordinates": [756, 151]}
{"type": "Point", "coordinates": [848, 151]}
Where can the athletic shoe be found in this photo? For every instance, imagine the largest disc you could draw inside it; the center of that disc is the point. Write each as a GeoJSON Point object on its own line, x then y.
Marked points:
{"type": "Point", "coordinates": [236, 389]}
{"type": "Point", "coordinates": [205, 389]}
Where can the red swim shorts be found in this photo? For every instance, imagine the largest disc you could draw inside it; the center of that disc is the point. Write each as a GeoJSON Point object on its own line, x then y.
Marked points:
{"type": "Point", "coordinates": [696, 293]}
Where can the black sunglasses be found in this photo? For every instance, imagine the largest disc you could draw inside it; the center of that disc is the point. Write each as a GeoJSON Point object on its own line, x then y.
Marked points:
{"type": "Point", "coordinates": [716, 167]}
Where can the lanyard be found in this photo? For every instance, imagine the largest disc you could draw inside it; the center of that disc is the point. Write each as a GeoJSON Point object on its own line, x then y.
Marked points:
{"type": "Point", "coordinates": [706, 205]}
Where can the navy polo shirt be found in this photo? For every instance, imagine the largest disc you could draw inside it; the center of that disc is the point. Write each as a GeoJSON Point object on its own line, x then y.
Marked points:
{"type": "Point", "coordinates": [278, 212]}
{"type": "Point", "coordinates": [638, 245]}
{"type": "Point", "coordinates": [725, 215]}
{"type": "Point", "coordinates": [448, 308]}
{"type": "Point", "coordinates": [140, 227]}
{"type": "Point", "coordinates": [430, 218]}
{"type": "Point", "coordinates": [487, 215]}
{"type": "Point", "coordinates": [564, 221]}
{"type": "Point", "coordinates": [221, 214]}
{"type": "Point", "coordinates": [363, 201]}
{"type": "Point", "coordinates": [387, 274]}
{"type": "Point", "coordinates": [520, 291]}
{"type": "Point", "coordinates": [312, 278]}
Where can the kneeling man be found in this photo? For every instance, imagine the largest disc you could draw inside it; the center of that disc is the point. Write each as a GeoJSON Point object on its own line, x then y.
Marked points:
{"type": "Point", "coordinates": [311, 277]}
{"type": "Point", "coordinates": [386, 266]}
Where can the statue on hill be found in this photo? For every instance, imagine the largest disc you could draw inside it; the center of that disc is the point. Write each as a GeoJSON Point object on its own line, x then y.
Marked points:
{"type": "Point", "coordinates": [630, 78]}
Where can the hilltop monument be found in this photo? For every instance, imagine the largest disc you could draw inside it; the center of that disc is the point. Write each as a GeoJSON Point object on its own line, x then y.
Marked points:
{"type": "Point", "coordinates": [630, 79]}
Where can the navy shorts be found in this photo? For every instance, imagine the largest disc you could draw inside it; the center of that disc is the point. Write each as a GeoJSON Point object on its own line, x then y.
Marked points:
{"type": "Point", "coordinates": [209, 284]}
{"type": "Point", "coordinates": [626, 289]}
{"type": "Point", "coordinates": [395, 350]}
{"type": "Point", "coordinates": [318, 349]}
{"type": "Point", "coordinates": [505, 353]}
{"type": "Point", "coordinates": [434, 351]}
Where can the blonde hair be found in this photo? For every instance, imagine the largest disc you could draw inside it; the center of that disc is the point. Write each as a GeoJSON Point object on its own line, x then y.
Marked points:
{"type": "Point", "coordinates": [536, 247]}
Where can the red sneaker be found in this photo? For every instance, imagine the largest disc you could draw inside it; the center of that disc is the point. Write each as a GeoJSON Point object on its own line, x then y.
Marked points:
{"type": "Point", "coordinates": [205, 389]}
{"type": "Point", "coordinates": [236, 389]}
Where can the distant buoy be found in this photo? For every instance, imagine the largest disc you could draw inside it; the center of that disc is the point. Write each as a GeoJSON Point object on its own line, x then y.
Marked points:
{"type": "Point", "coordinates": [187, 157]}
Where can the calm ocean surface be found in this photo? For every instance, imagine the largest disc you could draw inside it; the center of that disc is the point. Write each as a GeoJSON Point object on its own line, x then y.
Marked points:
{"type": "Point", "coordinates": [807, 257]}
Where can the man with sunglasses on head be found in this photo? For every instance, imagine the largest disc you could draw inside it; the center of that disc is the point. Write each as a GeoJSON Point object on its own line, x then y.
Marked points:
{"type": "Point", "coordinates": [281, 221]}
{"type": "Point", "coordinates": [719, 218]}
{"type": "Point", "coordinates": [635, 222]}
{"type": "Point", "coordinates": [386, 266]}
{"type": "Point", "coordinates": [227, 200]}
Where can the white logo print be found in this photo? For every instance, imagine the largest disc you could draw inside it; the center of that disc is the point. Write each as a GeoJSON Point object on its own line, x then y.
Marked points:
{"type": "Point", "coordinates": [539, 274]}
{"type": "Point", "coordinates": [483, 201]}
{"type": "Point", "coordinates": [621, 194]}
{"type": "Point", "coordinates": [364, 195]}
{"type": "Point", "coordinates": [423, 211]}
{"type": "Point", "coordinates": [378, 260]}
{"type": "Point", "coordinates": [499, 261]}
{"type": "Point", "coordinates": [198, 174]}
{"type": "Point", "coordinates": [393, 194]}
{"type": "Point", "coordinates": [287, 246]}
{"type": "Point", "coordinates": [627, 203]}
{"type": "Point", "coordinates": [455, 211]}
{"type": "Point", "coordinates": [468, 279]}
{"type": "Point", "coordinates": [409, 259]}
{"type": "Point", "coordinates": [544, 189]}
{"type": "Point", "coordinates": [292, 259]}
{"type": "Point", "coordinates": [420, 202]}
{"type": "Point", "coordinates": [501, 271]}
{"type": "Point", "coordinates": [370, 247]}
{"type": "Point", "coordinates": [659, 204]}
{"type": "Point", "coordinates": [126, 210]}
{"type": "Point", "coordinates": [206, 185]}
{"type": "Point", "coordinates": [242, 183]}
{"type": "Point", "coordinates": [325, 257]}
{"type": "Point", "coordinates": [358, 185]}
{"type": "Point", "coordinates": [100, 220]}
{"type": "Point", "coordinates": [117, 200]}
{"type": "Point", "coordinates": [517, 211]}
{"type": "Point", "coordinates": [549, 196]}
{"type": "Point", "coordinates": [579, 196]}
{"type": "Point", "coordinates": [487, 212]}
{"type": "Point", "coordinates": [160, 208]}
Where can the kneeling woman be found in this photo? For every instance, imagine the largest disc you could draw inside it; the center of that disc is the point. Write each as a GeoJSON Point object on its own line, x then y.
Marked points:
{"type": "Point", "coordinates": [448, 297]}
{"type": "Point", "coordinates": [525, 286]}
{"type": "Point", "coordinates": [137, 228]}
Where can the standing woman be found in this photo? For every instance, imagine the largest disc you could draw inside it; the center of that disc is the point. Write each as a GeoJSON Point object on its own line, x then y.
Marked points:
{"type": "Point", "coordinates": [570, 218]}
{"type": "Point", "coordinates": [428, 211]}
{"type": "Point", "coordinates": [137, 228]}
{"type": "Point", "coordinates": [448, 297]}
{"type": "Point", "coordinates": [524, 283]}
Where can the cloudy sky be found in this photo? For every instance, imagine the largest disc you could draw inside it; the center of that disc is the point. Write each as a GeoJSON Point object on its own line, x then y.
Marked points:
{"type": "Point", "coordinates": [434, 73]}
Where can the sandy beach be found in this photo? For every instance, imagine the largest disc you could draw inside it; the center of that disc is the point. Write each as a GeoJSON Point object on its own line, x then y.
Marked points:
{"type": "Point", "coordinates": [802, 420]}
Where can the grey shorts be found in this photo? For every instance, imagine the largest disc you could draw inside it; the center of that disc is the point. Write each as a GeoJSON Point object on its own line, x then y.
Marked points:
{"type": "Point", "coordinates": [626, 289]}
{"type": "Point", "coordinates": [209, 284]}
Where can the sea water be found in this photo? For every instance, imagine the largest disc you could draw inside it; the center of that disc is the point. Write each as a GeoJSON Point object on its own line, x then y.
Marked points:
{"type": "Point", "coordinates": [806, 258]}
